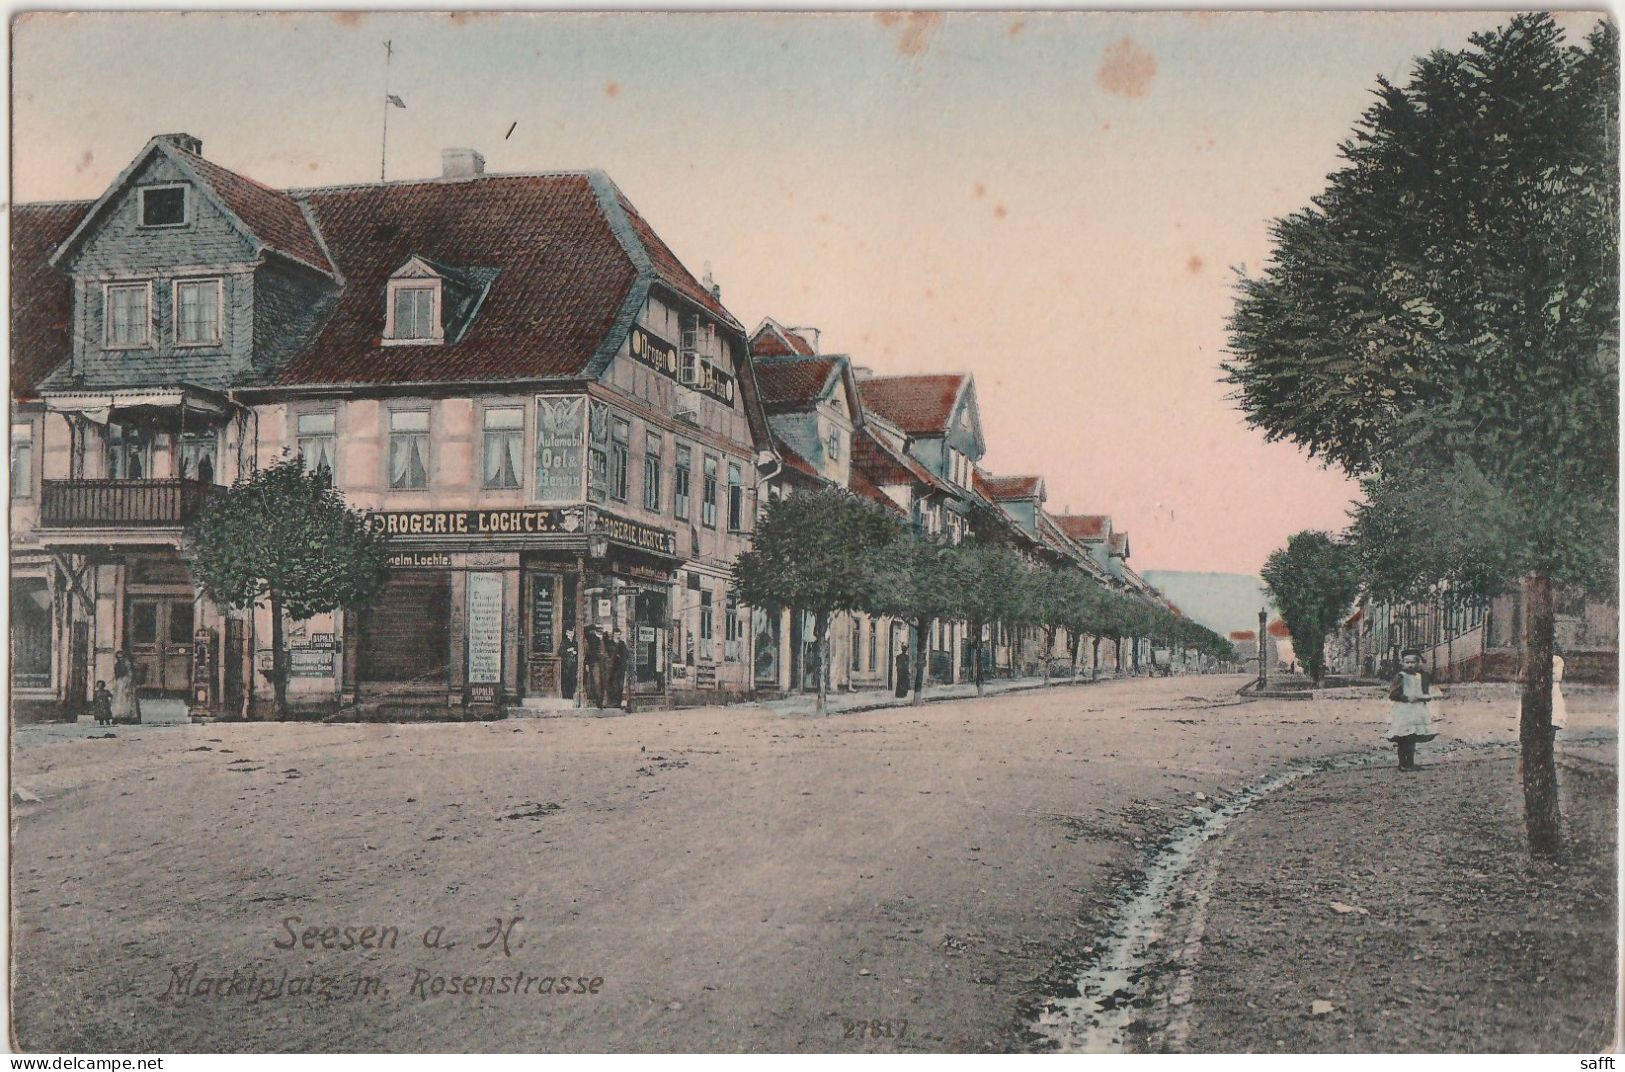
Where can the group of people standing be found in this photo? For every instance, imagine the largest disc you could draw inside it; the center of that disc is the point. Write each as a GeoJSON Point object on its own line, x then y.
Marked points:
{"type": "Point", "coordinates": [606, 657]}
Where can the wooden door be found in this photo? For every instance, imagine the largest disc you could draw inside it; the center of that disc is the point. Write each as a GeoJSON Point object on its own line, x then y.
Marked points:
{"type": "Point", "coordinates": [158, 636]}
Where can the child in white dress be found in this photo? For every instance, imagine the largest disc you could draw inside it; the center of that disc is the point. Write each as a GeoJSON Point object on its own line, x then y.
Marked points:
{"type": "Point", "coordinates": [1413, 697]}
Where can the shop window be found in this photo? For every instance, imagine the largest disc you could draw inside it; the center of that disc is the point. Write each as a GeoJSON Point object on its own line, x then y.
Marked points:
{"type": "Point", "coordinates": [200, 456]}
{"type": "Point", "coordinates": [22, 460]}
{"type": "Point", "coordinates": [316, 437]}
{"type": "Point", "coordinates": [680, 482]}
{"type": "Point", "coordinates": [708, 504]}
{"type": "Point", "coordinates": [653, 447]}
{"type": "Point", "coordinates": [620, 458]}
{"type": "Point", "coordinates": [504, 441]}
{"type": "Point", "coordinates": [409, 449]}
{"type": "Point", "coordinates": [30, 633]}
{"type": "Point", "coordinates": [736, 498]}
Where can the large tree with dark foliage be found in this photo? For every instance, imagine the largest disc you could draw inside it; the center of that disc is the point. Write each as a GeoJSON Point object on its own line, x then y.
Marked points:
{"type": "Point", "coordinates": [286, 536]}
{"type": "Point", "coordinates": [1314, 579]}
{"type": "Point", "coordinates": [1442, 322]}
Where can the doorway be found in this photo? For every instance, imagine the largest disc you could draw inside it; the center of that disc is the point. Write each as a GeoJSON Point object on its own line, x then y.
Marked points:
{"type": "Point", "coordinates": [158, 633]}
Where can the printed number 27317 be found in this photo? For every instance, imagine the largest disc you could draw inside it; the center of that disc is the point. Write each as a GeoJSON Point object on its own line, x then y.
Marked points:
{"type": "Point", "coordinates": [867, 1029]}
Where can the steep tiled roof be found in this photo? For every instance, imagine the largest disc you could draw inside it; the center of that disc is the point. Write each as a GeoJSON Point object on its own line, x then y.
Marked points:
{"type": "Point", "coordinates": [1119, 543]}
{"type": "Point", "coordinates": [1084, 526]}
{"type": "Point", "coordinates": [866, 488]}
{"type": "Point", "coordinates": [41, 297]}
{"type": "Point", "coordinates": [795, 463]}
{"type": "Point", "coordinates": [563, 276]}
{"type": "Point", "coordinates": [774, 340]}
{"type": "Point", "coordinates": [665, 262]}
{"type": "Point", "coordinates": [1000, 488]}
{"type": "Point", "coordinates": [919, 405]}
{"type": "Point", "coordinates": [271, 214]}
{"type": "Point", "coordinates": [793, 382]}
{"type": "Point", "coordinates": [884, 465]}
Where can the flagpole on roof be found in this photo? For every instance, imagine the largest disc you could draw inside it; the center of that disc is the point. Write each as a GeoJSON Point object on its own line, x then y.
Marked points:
{"type": "Point", "coordinates": [389, 99]}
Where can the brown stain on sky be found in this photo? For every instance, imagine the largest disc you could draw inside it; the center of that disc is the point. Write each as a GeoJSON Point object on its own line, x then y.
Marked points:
{"type": "Point", "coordinates": [612, 90]}
{"type": "Point", "coordinates": [999, 211]}
{"type": "Point", "coordinates": [917, 29]}
{"type": "Point", "coordinates": [979, 190]}
{"type": "Point", "coordinates": [1016, 27]}
{"type": "Point", "coordinates": [1126, 69]}
{"type": "Point", "coordinates": [1194, 265]}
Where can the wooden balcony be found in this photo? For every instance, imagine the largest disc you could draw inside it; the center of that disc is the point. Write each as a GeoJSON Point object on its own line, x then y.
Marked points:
{"type": "Point", "coordinates": [119, 503]}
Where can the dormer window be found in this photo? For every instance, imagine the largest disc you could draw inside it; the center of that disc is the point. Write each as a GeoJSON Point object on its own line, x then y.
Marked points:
{"type": "Point", "coordinates": [414, 311]}
{"type": "Point", "coordinates": [163, 206]}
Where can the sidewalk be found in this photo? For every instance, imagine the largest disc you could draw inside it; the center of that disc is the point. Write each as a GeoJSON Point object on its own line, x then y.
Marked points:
{"type": "Point", "coordinates": [874, 699]}
{"type": "Point", "coordinates": [1372, 911]}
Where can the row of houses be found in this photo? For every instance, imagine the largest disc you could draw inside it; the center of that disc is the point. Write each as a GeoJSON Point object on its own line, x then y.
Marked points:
{"type": "Point", "coordinates": [1473, 638]}
{"type": "Point", "coordinates": [557, 425]}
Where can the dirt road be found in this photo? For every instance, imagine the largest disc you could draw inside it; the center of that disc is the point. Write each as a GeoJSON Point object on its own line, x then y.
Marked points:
{"type": "Point", "coordinates": [737, 880]}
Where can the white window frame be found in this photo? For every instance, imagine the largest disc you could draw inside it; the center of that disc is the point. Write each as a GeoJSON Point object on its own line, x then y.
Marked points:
{"type": "Point", "coordinates": [437, 326]}
{"type": "Point", "coordinates": [22, 434]}
{"type": "Point", "coordinates": [141, 205]}
{"type": "Point", "coordinates": [428, 446]}
{"type": "Point", "coordinates": [485, 411]}
{"type": "Point", "coordinates": [107, 314]}
{"type": "Point", "coordinates": [219, 310]}
{"type": "Point", "coordinates": [320, 411]}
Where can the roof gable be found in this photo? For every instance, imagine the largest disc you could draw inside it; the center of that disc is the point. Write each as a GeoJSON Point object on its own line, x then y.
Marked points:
{"type": "Point", "coordinates": [41, 297]}
{"type": "Point", "coordinates": [925, 406]}
{"type": "Point", "coordinates": [772, 339]}
{"type": "Point", "coordinates": [269, 219]}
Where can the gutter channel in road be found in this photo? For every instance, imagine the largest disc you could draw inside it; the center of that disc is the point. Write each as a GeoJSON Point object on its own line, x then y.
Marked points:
{"type": "Point", "coordinates": [1116, 984]}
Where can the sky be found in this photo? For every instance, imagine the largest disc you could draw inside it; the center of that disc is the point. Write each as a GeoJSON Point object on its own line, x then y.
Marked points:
{"type": "Point", "coordinates": [1055, 203]}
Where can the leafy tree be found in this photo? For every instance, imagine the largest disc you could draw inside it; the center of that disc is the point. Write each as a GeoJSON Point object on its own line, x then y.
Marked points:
{"type": "Point", "coordinates": [809, 554]}
{"type": "Point", "coordinates": [1450, 305]}
{"type": "Point", "coordinates": [993, 586]}
{"type": "Point", "coordinates": [1314, 580]}
{"type": "Point", "coordinates": [916, 581]}
{"type": "Point", "coordinates": [287, 536]}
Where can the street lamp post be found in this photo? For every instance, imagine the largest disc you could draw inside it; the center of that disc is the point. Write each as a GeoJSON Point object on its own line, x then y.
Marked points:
{"type": "Point", "coordinates": [1263, 633]}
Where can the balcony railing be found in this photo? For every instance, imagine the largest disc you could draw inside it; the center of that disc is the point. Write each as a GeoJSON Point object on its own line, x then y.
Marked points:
{"type": "Point", "coordinates": [103, 503]}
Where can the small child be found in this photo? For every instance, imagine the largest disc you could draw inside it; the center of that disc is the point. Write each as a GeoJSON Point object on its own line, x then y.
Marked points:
{"type": "Point", "coordinates": [101, 702]}
{"type": "Point", "coordinates": [1412, 694]}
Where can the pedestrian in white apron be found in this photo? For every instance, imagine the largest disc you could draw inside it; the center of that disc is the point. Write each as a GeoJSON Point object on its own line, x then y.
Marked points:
{"type": "Point", "coordinates": [1413, 698]}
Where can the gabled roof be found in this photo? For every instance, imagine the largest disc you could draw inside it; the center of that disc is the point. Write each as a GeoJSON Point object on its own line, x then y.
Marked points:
{"type": "Point", "coordinates": [919, 405]}
{"type": "Point", "coordinates": [865, 488]}
{"type": "Point", "coordinates": [794, 463]}
{"type": "Point", "coordinates": [772, 339]}
{"type": "Point", "coordinates": [41, 297]}
{"type": "Point", "coordinates": [885, 465]}
{"type": "Point", "coordinates": [1004, 488]}
{"type": "Point", "coordinates": [272, 218]}
{"type": "Point", "coordinates": [1243, 634]}
{"type": "Point", "coordinates": [795, 382]}
{"type": "Point", "coordinates": [1085, 526]}
{"type": "Point", "coordinates": [1119, 544]}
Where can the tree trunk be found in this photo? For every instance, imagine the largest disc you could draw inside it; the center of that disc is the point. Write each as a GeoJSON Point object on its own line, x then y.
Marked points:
{"type": "Point", "coordinates": [820, 654]}
{"type": "Point", "coordinates": [1094, 667]}
{"type": "Point", "coordinates": [279, 663]}
{"type": "Point", "coordinates": [976, 657]}
{"type": "Point", "coordinates": [922, 626]}
{"type": "Point", "coordinates": [1049, 651]}
{"type": "Point", "coordinates": [1538, 764]}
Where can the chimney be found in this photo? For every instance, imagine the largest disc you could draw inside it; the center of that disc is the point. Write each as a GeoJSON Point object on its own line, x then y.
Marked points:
{"type": "Point", "coordinates": [461, 164]}
{"type": "Point", "coordinates": [711, 285]}
{"type": "Point", "coordinates": [185, 143]}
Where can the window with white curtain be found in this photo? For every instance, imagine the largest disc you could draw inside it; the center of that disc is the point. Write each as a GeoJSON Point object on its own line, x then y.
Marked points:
{"type": "Point", "coordinates": [197, 311]}
{"type": "Point", "coordinates": [409, 448]}
{"type": "Point", "coordinates": [316, 441]}
{"type": "Point", "coordinates": [504, 442]}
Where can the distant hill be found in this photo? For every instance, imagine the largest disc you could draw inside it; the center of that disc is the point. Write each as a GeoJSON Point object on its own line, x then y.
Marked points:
{"type": "Point", "coordinates": [1223, 602]}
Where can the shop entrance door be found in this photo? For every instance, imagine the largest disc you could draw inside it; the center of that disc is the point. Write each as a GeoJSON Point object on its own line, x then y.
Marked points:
{"type": "Point", "coordinates": [158, 634]}
{"type": "Point", "coordinates": [406, 633]}
{"type": "Point", "coordinates": [649, 641]}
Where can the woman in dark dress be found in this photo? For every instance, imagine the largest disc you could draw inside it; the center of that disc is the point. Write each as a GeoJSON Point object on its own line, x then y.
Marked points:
{"type": "Point", "coordinates": [902, 671]}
